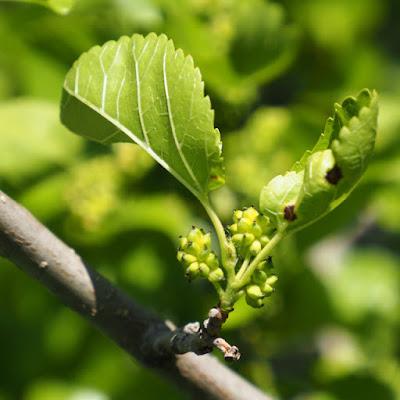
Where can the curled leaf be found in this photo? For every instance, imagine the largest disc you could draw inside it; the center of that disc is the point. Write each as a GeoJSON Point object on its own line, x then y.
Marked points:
{"type": "Point", "coordinates": [280, 195]}
{"type": "Point", "coordinates": [326, 175]}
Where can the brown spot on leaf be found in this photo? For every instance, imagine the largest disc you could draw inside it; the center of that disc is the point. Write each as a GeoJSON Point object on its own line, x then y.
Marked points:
{"type": "Point", "coordinates": [289, 213]}
{"type": "Point", "coordinates": [334, 175]}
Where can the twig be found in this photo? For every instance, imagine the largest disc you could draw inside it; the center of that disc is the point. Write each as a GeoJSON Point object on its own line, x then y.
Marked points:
{"type": "Point", "coordinates": [198, 338]}
{"type": "Point", "coordinates": [38, 252]}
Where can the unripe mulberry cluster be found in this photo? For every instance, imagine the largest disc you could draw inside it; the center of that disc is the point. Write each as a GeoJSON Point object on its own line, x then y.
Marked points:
{"type": "Point", "coordinates": [249, 231]}
{"type": "Point", "coordinates": [261, 285]}
{"type": "Point", "coordinates": [197, 257]}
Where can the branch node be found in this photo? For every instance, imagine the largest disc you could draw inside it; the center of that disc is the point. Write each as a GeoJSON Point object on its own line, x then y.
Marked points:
{"type": "Point", "coordinates": [192, 327]}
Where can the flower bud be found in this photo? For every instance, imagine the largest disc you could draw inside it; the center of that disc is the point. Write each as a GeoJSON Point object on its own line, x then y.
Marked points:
{"type": "Point", "coordinates": [261, 266]}
{"type": "Point", "coordinates": [237, 215]}
{"type": "Point", "coordinates": [248, 239]}
{"type": "Point", "coordinates": [216, 276]}
{"type": "Point", "coordinates": [189, 258]}
{"type": "Point", "coordinates": [244, 225]}
{"type": "Point", "coordinates": [256, 230]}
{"type": "Point", "coordinates": [237, 239]}
{"type": "Point", "coordinates": [204, 269]}
{"type": "Point", "coordinates": [207, 240]}
{"type": "Point", "coordinates": [255, 248]}
{"type": "Point", "coordinates": [256, 303]}
{"type": "Point", "coordinates": [193, 270]}
{"type": "Point", "coordinates": [233, 228]}
{"type": "Point", "coordinates": [183, 242]}
{"type": "Point", "coordinates": [267, 289]}
{"type": "Point", "coordinates": [272, 280]}
{"type": "Point", "coordinates": [195, 254]}
{"type": "Point", "coordinates": [249, 226]}
{"type": "Point", "coordinates": [254, 292]}
{"type": "Point", "coordinates": [250, 213]}
{"type": "Point", "coordinates": [195, 234]}
{"type": "Point", "coordinates": [259, 277]}
{"type": "Point", "coordinates": [180, 255]}
{"type": "Point", "coordinates": [212, 261]}
{"type": "Point", "coordinates": [194, 247]}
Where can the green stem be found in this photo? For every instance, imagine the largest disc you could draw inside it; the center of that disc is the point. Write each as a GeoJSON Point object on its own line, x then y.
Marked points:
{"type": "Point", "coordinates": [243, 266]}
{"type": "Point", "coordinates": [219, 289]}
{"type": "Point", "coordinates": [228, 254]}
{"type": "Point", "coordinates": [262, 255]}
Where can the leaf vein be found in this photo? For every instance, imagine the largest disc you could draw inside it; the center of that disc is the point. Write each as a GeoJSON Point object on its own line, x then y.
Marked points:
{"type": "Point", "coordinates": [172, 124]}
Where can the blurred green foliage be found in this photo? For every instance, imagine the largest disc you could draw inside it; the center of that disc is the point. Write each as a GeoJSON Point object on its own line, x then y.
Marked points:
{"type": "Point", "coordinates": [273, 70]}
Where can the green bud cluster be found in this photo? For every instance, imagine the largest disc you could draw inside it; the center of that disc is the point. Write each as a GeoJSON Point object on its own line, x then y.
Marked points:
{"type": "Point", "coordinates": [249, 231]}
{"type": "Point", "coordinates": [197, 257]}
{"type": "Point", "coordinates": [261, 286]}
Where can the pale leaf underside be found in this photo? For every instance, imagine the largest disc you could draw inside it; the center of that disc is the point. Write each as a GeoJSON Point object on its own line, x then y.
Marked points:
{"type": "Point", "coordinates": [143, 90]}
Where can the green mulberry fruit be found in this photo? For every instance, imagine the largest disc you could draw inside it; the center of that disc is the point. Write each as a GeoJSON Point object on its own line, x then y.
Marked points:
{"type": "Point", "coordinates": [249, 231]}
{"type": "Point", "coordinates": [197, 257]}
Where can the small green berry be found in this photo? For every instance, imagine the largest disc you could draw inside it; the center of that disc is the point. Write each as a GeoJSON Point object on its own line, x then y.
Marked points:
{"type": "Point", "coordinates": [212, 260]}
{"type": "Point", "coordinates": [237, 215]}
{"type": "Point", "coordinates": [189, 259]}
{"type": "Point", "coordinates": [256, 303]}
{"type": "Point", "coordinates": [249, 226]}
{"type": "Point", "coordinates": [237, 239]}
{"type": "Point", "coordinates": [183, 242]}
{"type": "Point", "coordinates": [250, 213]}
{"type": "Point", "coordinates": [259, 277]}
{"type": "Point", "coordinates": [193, 270]}
{"type": "Point", "coordinates": [256, 229]}
{"type": "Point", "coordinates": [244, 225]}
{"type": "Point", "coordinates": [267, 289]}
{"type": "Point", "coordinates": [255, 248]}
{"type": "Point", "coordinates": [261, 266]}
{"type": "Point", "coordinates": [264, 240]}
{"type": "Point", "coordinates": [204, 270]}
{"type": "Point", "coordinates": [272, 280]}
{"type": "Point", "coordinates": [195, 254]}
{"type": "Point", "coordinates": [254, 292]}
{"type": "Point", "coordinates": [248, 239]}
{"type": "Point", "coordinates": [216, 276]}
{"type": "Point", "coordinates": [180, 255]}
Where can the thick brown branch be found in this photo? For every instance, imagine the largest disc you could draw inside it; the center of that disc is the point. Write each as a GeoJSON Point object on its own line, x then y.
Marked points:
{"type": "Point", "coordinates": [38, 252]}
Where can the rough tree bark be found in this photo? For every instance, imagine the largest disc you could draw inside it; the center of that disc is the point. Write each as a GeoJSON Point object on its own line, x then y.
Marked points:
{"type": "Point", "coordinates": [149, 339]}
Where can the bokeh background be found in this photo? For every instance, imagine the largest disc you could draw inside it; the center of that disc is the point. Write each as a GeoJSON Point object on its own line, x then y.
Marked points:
{"type": "Point", "coordinates": [273, 71]}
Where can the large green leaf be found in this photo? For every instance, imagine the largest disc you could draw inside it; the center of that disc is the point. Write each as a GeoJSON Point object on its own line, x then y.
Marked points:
{"type": "Point", "coordinates": [326, 175]}
{"type": "Point", "coordinates": [142, 89]}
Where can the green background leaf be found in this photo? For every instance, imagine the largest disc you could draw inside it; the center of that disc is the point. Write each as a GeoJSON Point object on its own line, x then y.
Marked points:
{"type": "Point", "coordinates": [31, 128]}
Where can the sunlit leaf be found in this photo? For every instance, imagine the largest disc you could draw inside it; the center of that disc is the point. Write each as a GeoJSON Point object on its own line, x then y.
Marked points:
{"type": "Point", "coordinates": [143, 90]}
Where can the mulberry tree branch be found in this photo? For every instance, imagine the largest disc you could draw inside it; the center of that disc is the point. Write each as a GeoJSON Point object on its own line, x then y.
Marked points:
{"type": "Point", "coordinates": [145, 336]}
{"type": "Point", "coordinates": [199, 338]}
